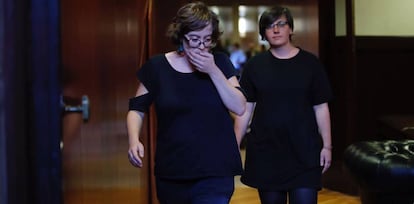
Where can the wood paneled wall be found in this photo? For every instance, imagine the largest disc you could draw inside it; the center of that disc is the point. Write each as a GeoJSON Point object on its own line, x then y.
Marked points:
{"type": "Point", "coordinates": [385, 74]}
{"type": "Point", "coordinates": [103, 45]}
{"type": "Point", "coordinates": [370, 77]}
{"type": "Point", "coordinates": [380, 85]}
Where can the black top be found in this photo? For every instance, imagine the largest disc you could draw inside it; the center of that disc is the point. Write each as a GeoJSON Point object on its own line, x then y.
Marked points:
{"type": "Point", "coordinates": [284, 141]}
{"type": "Point", "coordinates": [195, 136]}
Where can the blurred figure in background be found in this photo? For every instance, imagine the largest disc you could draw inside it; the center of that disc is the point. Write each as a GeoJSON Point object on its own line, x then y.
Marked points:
{"type": "Point", "coordinates": [251, 51]}
{"type": "Point", "coordinates": [220, 48]}
{"type": "Point", "coordinates": [238, 58]}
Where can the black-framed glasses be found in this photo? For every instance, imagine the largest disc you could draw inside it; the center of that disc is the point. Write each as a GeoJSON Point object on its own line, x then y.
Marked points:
{"type": "Point", "coordinates": [279, 24]}
{"type": "Point", "coordinates": [195, 42]}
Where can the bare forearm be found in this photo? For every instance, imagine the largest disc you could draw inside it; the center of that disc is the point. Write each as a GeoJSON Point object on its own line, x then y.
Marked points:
{"type": "Point", "coordinates": [324, 123]}
{"type": "Point", "coordinates": [232, 98]}
{"type": "Point", "coordinates": [242, 122]}
{"type": "Point", "coordinates": [134, 123]}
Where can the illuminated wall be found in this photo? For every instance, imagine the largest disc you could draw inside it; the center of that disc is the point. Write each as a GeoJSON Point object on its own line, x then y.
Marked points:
{"type": "Point", "coordinates": [378, 17]}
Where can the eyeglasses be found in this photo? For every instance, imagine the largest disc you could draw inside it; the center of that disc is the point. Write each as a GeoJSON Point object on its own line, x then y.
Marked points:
{"type": "Point", "coordinates": [196, 42]}
{"type": "Point", "coordinates": [279, 24]}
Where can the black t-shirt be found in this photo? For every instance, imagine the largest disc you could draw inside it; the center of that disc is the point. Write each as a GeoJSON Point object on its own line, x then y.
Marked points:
{"type": "Point", "coordinates": [195, 136]}
{"type": "Point", "coordinates": [284, 140]}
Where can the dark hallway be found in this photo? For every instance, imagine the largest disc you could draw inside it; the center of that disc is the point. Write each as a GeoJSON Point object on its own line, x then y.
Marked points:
{"type": "Point", "coordinates": [51, 50]}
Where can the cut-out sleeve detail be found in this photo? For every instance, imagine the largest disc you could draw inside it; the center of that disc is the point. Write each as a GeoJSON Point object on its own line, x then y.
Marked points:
{"type": "Point", "coordinates": [140, 103]}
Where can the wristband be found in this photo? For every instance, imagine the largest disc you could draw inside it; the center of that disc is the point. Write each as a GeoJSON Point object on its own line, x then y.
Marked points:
{"type": "Point", "coordinates": [140, 103]}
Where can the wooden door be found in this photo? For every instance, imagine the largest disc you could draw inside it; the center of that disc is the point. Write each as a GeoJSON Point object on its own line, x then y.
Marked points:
{"type": "Point", "coordinates": [103, 44]}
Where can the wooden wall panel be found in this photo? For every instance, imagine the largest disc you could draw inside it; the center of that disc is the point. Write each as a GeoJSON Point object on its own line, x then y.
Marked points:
{"type": "Point", "coordinates": [161, 15]}
{"type": "Point", "coordinates": [379, 85]}
{"type": "Point", "coordinates": [384, 81]}
{"type": "Point", "coordinates": [103, 44]}
{"type": "Point", "coordinates": [371, 78]}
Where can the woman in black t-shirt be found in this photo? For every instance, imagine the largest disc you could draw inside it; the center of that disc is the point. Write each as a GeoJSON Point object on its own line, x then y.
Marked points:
{"type": "Point", "coordinates": [193, 92]}
{"type": "Point", "coordinates": [289, 144]}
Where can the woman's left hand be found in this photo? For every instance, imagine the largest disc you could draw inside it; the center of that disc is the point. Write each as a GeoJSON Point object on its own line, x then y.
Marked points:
{"type": "Point", "coordinates": [326, 159]}
{"type": "Point", "coordinates": [203, 61]}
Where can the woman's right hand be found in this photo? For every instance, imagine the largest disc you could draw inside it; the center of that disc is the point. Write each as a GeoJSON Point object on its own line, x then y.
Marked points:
{"type": "Point", "coordinates": [135, 154]}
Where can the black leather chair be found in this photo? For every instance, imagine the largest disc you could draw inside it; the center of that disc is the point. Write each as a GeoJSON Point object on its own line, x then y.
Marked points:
{"type": "Point", "coordinates": [383, 170]}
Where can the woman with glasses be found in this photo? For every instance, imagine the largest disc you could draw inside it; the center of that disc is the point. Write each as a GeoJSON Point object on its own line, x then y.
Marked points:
{"type": "Point", "coordinates": [289, 144]}
{"type": "Point", "coordinates": [193, 92]}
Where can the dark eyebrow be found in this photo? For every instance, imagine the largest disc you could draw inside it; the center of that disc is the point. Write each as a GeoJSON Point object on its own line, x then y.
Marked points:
{"type": "Point", "coordinates": [197, 36]}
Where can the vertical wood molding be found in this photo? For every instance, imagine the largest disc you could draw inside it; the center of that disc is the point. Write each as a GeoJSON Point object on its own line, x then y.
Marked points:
{"type": "Point", "coordinates": [351, 73]}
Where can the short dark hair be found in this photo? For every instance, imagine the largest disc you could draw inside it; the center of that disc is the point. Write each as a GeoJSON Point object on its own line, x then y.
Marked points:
{"type": "Point", "coordinates": [191, 17]}
{"type": "Point", "coordinates": [271, 15]}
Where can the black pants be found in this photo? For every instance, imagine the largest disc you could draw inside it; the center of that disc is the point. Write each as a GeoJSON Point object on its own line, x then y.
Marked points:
{"type": "Point", "coordinates": [296, 196]}
{"type": "Point", "coordinates": [211, 190]}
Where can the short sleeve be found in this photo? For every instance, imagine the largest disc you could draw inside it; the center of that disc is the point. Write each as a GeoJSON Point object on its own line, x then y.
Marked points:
{"type": "Point", "coordinates": [247, 85]}
{"type": "Point", "coordinates": [147, 75]}
{"type": "Point", "coordinates": [321, 88]}
{"type": "Point", "coordinates": [224, 64]}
